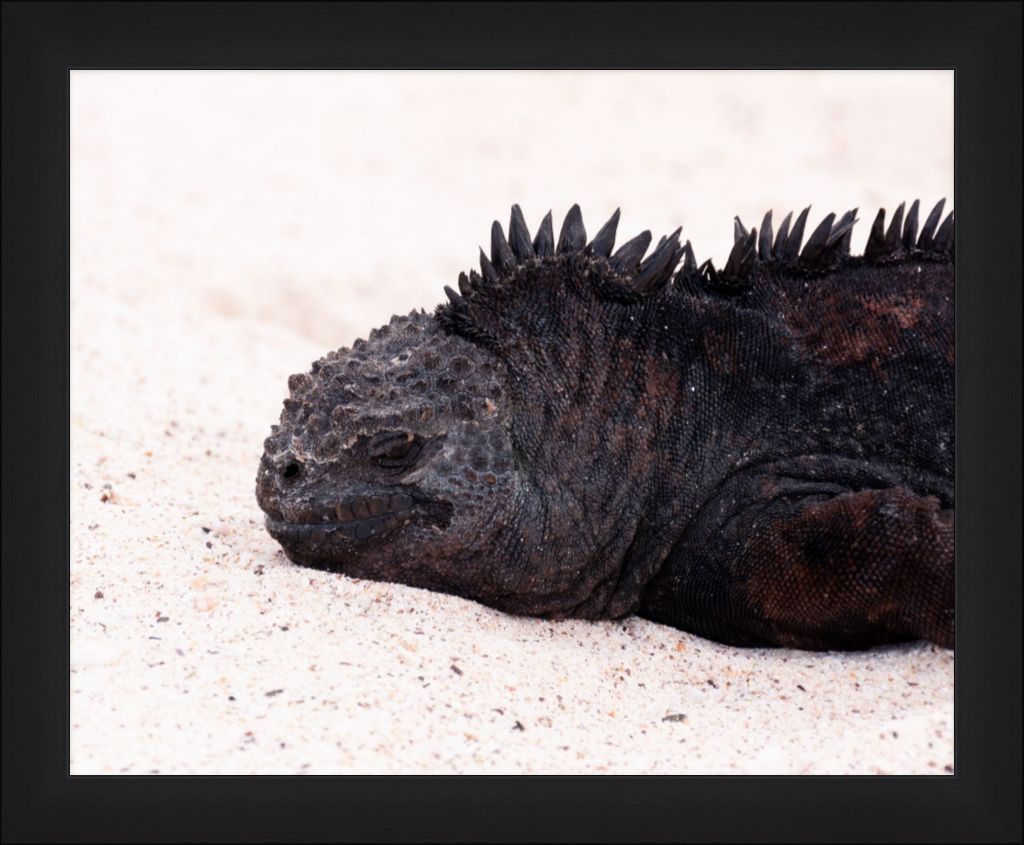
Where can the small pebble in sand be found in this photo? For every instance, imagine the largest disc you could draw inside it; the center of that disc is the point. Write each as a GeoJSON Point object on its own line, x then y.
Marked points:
{"type": "Point", "coordinates": [98, 594]}
{"type": "Point", "coordinates": [675, 717]}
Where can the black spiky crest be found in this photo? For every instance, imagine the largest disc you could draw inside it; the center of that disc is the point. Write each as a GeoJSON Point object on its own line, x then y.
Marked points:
{"type": "Point", "coordinates": [633, 277]}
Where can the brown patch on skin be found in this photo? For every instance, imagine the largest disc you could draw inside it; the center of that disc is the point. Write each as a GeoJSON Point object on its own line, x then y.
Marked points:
{"type": "Point", "coordinates": [811, 583]}
{"type": "Point", "coordinates": [853, 563]}
{"type": "Point", "coordinates": [840, 328]}
{"type": "Point", "coordinates": [904, 312]}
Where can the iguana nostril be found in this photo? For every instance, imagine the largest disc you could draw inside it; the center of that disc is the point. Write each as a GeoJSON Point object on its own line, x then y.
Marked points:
{"type": "Point", "coordinates": [291, 471]}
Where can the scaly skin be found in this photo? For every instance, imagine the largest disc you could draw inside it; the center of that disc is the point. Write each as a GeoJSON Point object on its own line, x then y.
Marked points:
{"type": "Point", "coordinates": [761, 455]}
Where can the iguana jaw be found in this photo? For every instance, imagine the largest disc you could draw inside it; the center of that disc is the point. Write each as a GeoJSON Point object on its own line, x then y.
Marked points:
{"type": "Point", "coordinates": [354, 521]}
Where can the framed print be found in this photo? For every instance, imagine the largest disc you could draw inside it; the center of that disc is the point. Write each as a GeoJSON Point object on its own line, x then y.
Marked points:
{"type": "Point", "coordinates": [578, 519]}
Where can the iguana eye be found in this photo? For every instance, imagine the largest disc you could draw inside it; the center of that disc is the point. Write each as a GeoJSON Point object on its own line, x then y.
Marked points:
{"type": "Point", "coordinates": [395, 448]}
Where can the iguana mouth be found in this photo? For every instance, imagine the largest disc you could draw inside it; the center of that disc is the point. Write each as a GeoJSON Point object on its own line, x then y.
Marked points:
{"type": "Point", "coordinates": [356, 519]}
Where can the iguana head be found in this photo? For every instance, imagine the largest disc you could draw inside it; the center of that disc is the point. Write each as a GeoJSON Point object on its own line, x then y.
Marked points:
{"type": "Point", "coordinates": [387, 451]}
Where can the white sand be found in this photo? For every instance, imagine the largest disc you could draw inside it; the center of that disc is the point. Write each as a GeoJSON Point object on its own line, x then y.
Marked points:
{"type": "Point", "coordinates": [230, 228]}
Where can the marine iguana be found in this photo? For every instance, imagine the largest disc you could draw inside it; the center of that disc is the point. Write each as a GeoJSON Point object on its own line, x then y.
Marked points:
{"type": "Point", "coordinates": [761, 454]}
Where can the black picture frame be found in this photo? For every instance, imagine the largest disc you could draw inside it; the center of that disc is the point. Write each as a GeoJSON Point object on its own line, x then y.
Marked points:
{"type": "Point", "coordinates": [42, 41]}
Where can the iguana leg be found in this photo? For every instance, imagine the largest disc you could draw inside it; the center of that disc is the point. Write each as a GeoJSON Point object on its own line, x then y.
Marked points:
{"type": "Point", "coordinates": [822, 571]}
{"type": "Point", "coordinates": [875, 565]}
